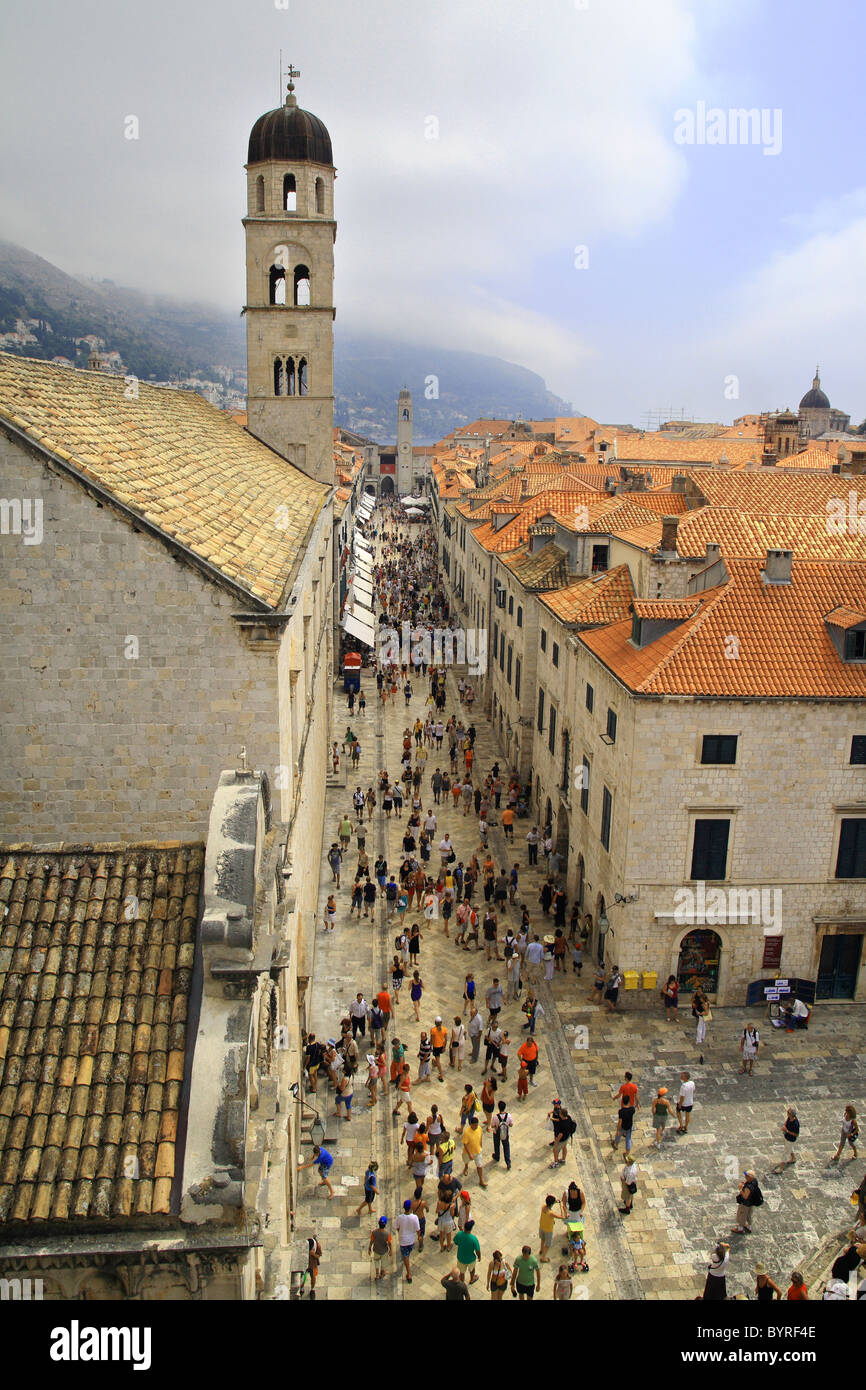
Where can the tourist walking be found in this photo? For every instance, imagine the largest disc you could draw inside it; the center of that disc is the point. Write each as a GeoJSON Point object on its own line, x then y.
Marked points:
{"type": "Point", "coordinates": [685, 1102]}
{"type": "Point", "coordinates": [661, 1109]}
{"type": "Point", "coordinates": [715, 1285]}
{"type": "Point", "coordinates": [790, 1134]}
{"type": "Point", "coordinates": [498, 1274]}
{"type": "Point", "coordinates": [526, 1274]}
{"type": "Point", "coordinates": [408, 1228]}
{"type": "Point", "coordinates": [627, 1185]}
{"type": "Point", "coordinates": [749, 1196]}
{"type": "Point", "coordinates": [850, 1134]}
{"type": "Point", "coordinates": [670, 995]}
{"type": "Point", "coordinates": [380, 1247]}
{"type": "Point", "coordinates": [749, 1044]}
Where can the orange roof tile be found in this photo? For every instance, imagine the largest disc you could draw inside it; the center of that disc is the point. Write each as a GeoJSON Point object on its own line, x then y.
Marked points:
{"type": "Point", "coordinates": [602, 598]}
{"type": "Point", "coordinates": [748, 639]}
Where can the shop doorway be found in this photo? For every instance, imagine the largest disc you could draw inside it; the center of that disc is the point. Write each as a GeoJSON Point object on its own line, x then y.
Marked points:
{"type": "Point", "coordinates": [700, 957]}
{"type": "Point", "coordinates": [838, 966]}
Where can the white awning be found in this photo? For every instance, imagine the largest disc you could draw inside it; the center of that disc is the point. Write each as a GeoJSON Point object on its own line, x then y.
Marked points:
{"type": "Point", "coordinates": [362, 591]}
{"type": "Point", "coordinates": [362, 631]}
{"type": "Point", "coordinates": [362, 613]}
{"type": "Point", "coordinates": [363, 568]}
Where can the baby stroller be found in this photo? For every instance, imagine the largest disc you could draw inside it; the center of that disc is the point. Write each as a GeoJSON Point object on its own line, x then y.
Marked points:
{"type": "Point", "coordinates": [576, 1247]}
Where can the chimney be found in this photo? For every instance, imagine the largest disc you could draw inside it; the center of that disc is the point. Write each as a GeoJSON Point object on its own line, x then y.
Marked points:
{"type": "Point", "coordinates": [610, 485]}
{"type": "Point", "coordinates": [777, 567]}
{"type": "Point", "coordinates": [678, 482]}
{"type": "Point", "coordinates": [713, 554]}
{"type": "Point", "coordinates": [670, 526]}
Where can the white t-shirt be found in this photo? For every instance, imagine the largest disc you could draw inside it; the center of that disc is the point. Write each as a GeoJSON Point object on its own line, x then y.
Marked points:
{"type": "Point", "coordinates": [535, 953]}
{"type": "Point", "coordinates": [408, 1227]}
{"type": "Point", "coordinates": [687, 1093]}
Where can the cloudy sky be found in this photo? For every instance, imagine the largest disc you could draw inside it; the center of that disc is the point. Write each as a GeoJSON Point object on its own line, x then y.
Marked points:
{"type": "Point", "coordinates": [513, 178]}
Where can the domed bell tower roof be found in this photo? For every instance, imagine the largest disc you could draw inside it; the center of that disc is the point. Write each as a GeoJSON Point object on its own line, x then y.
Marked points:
{"type": "Point", "coordinates": [815, 399]}
{"type": "Point", "coordinates": [289, 134]}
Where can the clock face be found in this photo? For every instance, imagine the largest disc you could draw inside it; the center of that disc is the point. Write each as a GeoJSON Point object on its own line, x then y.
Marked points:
{"type": "Point", "coordinates": [404, 448]}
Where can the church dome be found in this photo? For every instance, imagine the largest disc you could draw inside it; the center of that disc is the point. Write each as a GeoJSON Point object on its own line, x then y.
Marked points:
{"type": "Point", "coordinates": [815, 399]}
{"type": "Point", "coordinates": [290, 135]}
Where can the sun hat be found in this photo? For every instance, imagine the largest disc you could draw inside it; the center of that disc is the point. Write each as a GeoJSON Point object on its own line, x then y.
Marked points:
{"type": "Point", "coordinates": [760, 1268]}
{"type": "Point", "coordinates": [663, 1090]}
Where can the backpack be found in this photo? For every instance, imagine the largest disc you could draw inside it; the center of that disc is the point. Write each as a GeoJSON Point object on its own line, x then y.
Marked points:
{"type": "Point", "coordinates": [757, 1197]}
{"type": "Point", "coordinates": [568, 1126]}
{"type": "Point", "coordinates": [391, 893]}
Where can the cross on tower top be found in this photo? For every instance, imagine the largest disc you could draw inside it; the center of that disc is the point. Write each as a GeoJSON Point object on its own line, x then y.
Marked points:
{"type": "Point", "coordinates": [291, 73]}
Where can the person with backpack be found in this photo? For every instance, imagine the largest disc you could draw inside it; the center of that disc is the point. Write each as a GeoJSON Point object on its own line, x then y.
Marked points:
{"type": "Point", "coordinates": [502, 1125]}
{"type": "Point", "coordinates": [850, 1134]}
{"type": "Point", "coordinates": [380, 1246]}
{"type": "Point", "coordinates": [749, 1197]}
{"type": "Point", "coordinates": [563, 1129]}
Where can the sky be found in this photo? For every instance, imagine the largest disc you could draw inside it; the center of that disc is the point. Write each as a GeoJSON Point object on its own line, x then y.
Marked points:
{"type": "Point", "coordinates": [533, 181]}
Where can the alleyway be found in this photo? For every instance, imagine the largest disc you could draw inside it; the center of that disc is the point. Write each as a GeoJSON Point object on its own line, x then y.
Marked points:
{"type": "Point", "coordinates": [685, 1200]}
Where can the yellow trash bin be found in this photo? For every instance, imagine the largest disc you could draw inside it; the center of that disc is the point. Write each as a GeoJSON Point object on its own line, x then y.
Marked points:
{"type": "Point", "coordinates": [649, 979]}
{"type": "Point", "coordinates": [631, 978]}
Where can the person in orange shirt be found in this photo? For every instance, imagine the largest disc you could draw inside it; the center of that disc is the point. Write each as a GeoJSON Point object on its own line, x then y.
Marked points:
{"type": "Point", "coordinates": [508, 823]}
{"type": "Point", "coordinates": [797, 1290]}
{"type": "Point", "coordinates": [528, 1054]}
{"type": "Point", "coordinates": [468, 758]}
{"type": "Point", "coordinates": [383, 999]}
{"type": "Point", "coordinates": [439, 1040]}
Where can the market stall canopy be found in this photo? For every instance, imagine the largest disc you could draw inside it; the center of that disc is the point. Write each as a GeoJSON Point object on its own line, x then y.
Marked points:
{"type": "Point", "coordinates": [359, 630]}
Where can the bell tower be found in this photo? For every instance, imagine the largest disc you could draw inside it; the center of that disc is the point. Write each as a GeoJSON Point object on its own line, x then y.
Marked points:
{"type": "Point", "coordinates": [290, 233]}
{"type": "Point", "coordinates": [405, 478]}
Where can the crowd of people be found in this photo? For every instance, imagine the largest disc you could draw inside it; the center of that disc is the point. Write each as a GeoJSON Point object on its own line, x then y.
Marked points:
{"type": "Point", "coordinates": [475, 903]}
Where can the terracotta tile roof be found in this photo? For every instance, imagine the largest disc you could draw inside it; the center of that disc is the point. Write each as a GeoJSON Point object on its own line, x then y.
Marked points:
{"type": "Point", "coordinates": [652, 447]}
{"type": "Point", "coordinates": [782, 649]}
{"type": "Point", "coordinates": [547, 568]}
{"type": "Point", "coordinates": [813, 457]}
{"type": "Point", "coordinates": [672, 609]}
{"type": "Point", "coordinates": [770, 491]}
{"type": "Point", "coordinates": [602, 598]}
{"type": "Point", "coordinates": [178, 462]}
{"type": "Point", "coordinates": [741, 534]}
{"type": "Point", "coordinates": [96, 965]}
{"type": "Point", "coordinates": [844, 618]}
{"type": "Point", "coordinates": [559, 504]}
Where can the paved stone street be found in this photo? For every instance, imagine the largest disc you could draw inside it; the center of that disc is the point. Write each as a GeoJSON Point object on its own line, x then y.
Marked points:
{"type": "Point", "coordinates": [686, 1190]}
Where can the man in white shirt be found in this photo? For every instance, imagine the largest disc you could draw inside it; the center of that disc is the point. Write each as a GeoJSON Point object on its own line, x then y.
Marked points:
{"type": "Point", "coordinates": [358, 1011]}
{"type": "Point", "coordinates": [430, 823]}
{"type": "Point", "coordinates": [408, 1229]}
{"type": "Point", "coordinates": [445, 849]}
{"type": "Point", "coordinates": [685, 1101]}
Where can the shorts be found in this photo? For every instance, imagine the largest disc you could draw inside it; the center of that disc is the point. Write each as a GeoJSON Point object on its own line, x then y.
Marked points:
{"type": "Point", "coordinates": [406, 1251]}
{"type": "Point", "coordinates": [446, 1168]}
{"type": "Point", "coordinates": [527, 1289]}
{"type": "Point", "coordinates": [345, 1100]}
{"type": "Point", "coordinates": [437, 1051]}
{"type": "Point", "coordinates": [546, 1238]}
{"type": "Point", "coordinates": [465, 1269]}
{"type": "Point", "coordinates": [423, 1070]}
{"type": "Point", "coordinates": [322, 1170]}
{"type": "Point", "coordinates": [445, 1221]}
{"type": "Point", "coordinates": [370, 1194]}
{"type": "Point", "coordinates": [477, 1159]}
{"type": "Point", "coordinates": [686, 1109]}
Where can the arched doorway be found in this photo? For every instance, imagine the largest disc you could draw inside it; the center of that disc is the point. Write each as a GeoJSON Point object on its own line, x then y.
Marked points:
{"type": "Point", "coordinates": [387, 486]}
{"type": "Point", "coordinates": [562, 836]}
{"type": "Point", "coordinates": [601, 936]}
{"type": "Point", "coordinates": [371, 488]}
{"type": "Point", "coordinates": [699, 961]}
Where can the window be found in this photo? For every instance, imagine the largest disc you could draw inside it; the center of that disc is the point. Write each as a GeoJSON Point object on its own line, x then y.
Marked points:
{"type": "Point", "coordinates": [290, 194]}
{"type": "Point", "coordinates": [495, 640]}
{"type": "Point", "coordinates": [517, 679]}
{"type": "Point", "coordinates": [320, 196]}
{"type": "Point", "coordinates": [551, 731]}
{"type": "Point", "coordinates": [277, 285]}
{"type": "Point", "coordinates": [260, 193]}
{"type": "Point", "coordinates": [554, 654]}
{"type": "Point", "coordinates": [566, 761]}
{"type": "Point", "coordinates": [302, 286]}
{"type": "Point", "coordinates": [510, 605]}
{"type": "Point", "coordinates": [851, 859]}
{"type": "Point", "coordinates": [502, 653]}
{"type": "Point", "coordinates": [278, 376]}
{"type": "Point", "coordinates": [302, 377]}
{"type": "Point", "coordinates": [584, 787]}
{"type": "Point", "coordinates": [508, 665]}
{"type": "Point", "coordinates": [855, 646]}
{"type": "Point", "coordinates": [611, 725]}
{"type": "Point", "coordinates": [599, 558]}
{"type": "Point", "coordinates": [606, 813]}
{"type": "Point", "coordinates": [519, 616]}
{"type": "Point", "coordinates": [541, 711]}
{"type": "Point", "coordinates": [710, 849]}
{"type": "Point", "coordinates": [290, 376]}
{"type": "Point", "coordinates": [543, 640]}
{"type": "Point", "coordinates": [590, 697]}
{"type": "Point", "coordinates": [719, 748]}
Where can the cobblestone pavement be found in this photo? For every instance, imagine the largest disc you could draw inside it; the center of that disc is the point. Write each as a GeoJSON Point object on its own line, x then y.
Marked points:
{"type": "Point", "coordinates": [686, 1190]}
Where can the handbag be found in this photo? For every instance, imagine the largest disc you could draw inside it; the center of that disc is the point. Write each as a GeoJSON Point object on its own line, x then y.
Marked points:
{"type": "Point", "coordinates": [632, 1187]}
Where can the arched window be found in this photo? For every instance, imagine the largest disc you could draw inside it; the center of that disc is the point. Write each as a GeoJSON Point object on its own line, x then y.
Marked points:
{"type": "Point", "coordinates": [302, 285]}
{"type": "Point", "coordinates": [278, 376]}
{"type": "Point", "coordinates": [320, 195]}
{"type": "Point", "coordinates": [290, 194]}
{"type": "Point", "coordinates": [260, 193]}
{"type": "Point", "coordinates": [277, 285]}
{"type": "Point", "coordinates": [290, 376]}
{"type": "Point", "coordinates": [405, 413]}
{"type": "Point", "coordinates": [302, 377]}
